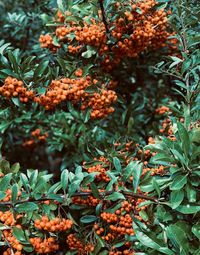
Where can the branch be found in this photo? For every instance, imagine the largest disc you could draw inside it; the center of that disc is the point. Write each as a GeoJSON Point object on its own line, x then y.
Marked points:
{"type": "Point", "coordinates": [103, 15]}
{"type": "Point", "coordinates": [83, 194]}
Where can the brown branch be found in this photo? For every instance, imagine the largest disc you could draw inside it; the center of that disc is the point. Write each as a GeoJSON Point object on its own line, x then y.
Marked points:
{"type": "Point", "coordinates": [77, 194]}
{"type": "Point", "coordinates": [104, 16]}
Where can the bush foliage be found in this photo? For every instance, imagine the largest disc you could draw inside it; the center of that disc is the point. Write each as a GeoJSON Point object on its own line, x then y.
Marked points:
{"type": "Point", "coordinates": [100, 127]}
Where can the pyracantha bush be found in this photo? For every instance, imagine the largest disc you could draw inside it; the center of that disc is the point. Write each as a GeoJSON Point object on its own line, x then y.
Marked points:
{"type": "Point", "coordinates": [104, 120]}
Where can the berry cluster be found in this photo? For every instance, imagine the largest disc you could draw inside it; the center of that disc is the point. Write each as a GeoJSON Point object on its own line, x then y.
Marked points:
{"type": "Point", "coordinates": [100, 103]}
{"type": "Point", "coordinates": [13, 242]}
{"type": "Point", "coordinates": [89, 201]}
{"type": "Point", "coordinates": [63, 31]}
{"type": "Point", "coordinates": [162, 110]}
{"type": "Point", "coordinates": [46, 41]}
{"type": "Point", "coordinates": [124, 252]}
{"type": "Point", "coordinates": [101, 167]}
{"type": "Point", "coordinates": [60, 17]}
{"type": "Point", "coordinates": [102, 176]}
{"type": "Point", "coordinates": [61, 90]}
{"type": "Point", "coordinates": [141, 27]}
{"type": "Point", "coordinates": [120, 223]}
{"type": "Point", "coordinates": [93, 34]}
{"type": "Point", "coordinates": [7, 218]}
{"type": "Point", "coordinates": [75, 243]}
{"type": "Point", "coordinates": [54, 225]}
{"type": "Point", "coordinates": [15, 88]}
{"type": "Point", "coordinates": [9, 195]}
{"type": "Point", "coordinates": [44, 246]}
{"type": "Point", "coordinates": [36, 137]}
{"type": "Point", "coordinates": [160, 170]}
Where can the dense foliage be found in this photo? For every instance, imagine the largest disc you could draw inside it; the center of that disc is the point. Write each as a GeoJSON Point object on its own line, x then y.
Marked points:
{"type": "Point", "coordinates": [100, 127]}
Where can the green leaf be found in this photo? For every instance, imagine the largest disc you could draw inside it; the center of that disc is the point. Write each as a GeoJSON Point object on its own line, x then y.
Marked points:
{"type": "Point", "coordinates": [15, 190]}
{"type": "Point", "coordinates": [196, 230]}
{"type": "Point", "coordinates": [191, 194]}
{"type": "Point", "coordinates": [176, 198]}
{"type": "Point", "coordinates": [178, 182]}
{"type": "Point", "coordinates": [136, 176]}
{"type": "Point", "coordinates": [33, 179]}
{"type": "Point", "coordinates": [26, 207]}
{"type": "Point", "coordinates": [100, 244]}
{"type": "Point", "coordinates": [4, 166]}
{"type": "Point", "coordinates": [88, 219]}
{"type": "Point", "coordinates": [5, 182]}
{"type": "Point", "coordinates": [73, 187]}
{"type": "Point", "coordinates": [4, 126]}
{"type": "Point", "coordinates": [144, 215]}
{"type": "Point", "coordinates": [13, 61]}
{"type": "Point", "coordinates": [3, 47]}
{"type": "Point", "coordinates": [115, 196]}
{"type": "Point", "coordinates": [64, 179]}
{"type": "Point", "coordinates": [88, 54]}
{"type": "Point", "coordinates": [117, 164]}
{"type": "Point", "coordinates": [16, 101]}
{"type": "Point", "coordinates": [184, 136]}
{"type": "Point", "coordinates": [178, 238]}
{"type": "Point", "coordinates": [19, 234]}
{"type": "Point", "coordinates": [15, 168]}
{"type": "Point", "coordinates": [156, 187]}
{"type": "Point", "coordinates": [148, 242]}
{"type": "Point", "coordinates": [39, 71]}
{"type": "Point", "coordinates": [196, 135]}
{"type": "Point", "coordinates": [25, 181]}
{"type": "Point", "coordinates": [60, 5]}
{"type": "Point", "coordinates": [95, 191]}
{"type": "Point", "coordinates": [188, 209]}
{"type": "Point", "coordinates": [128, 171]}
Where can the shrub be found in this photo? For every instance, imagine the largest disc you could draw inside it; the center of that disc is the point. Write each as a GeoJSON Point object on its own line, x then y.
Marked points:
{"type": "Point", "coordinates": [108, 112]}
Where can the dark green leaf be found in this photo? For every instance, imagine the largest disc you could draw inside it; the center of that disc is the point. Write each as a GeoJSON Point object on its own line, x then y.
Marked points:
{"type": "Point", "coordinates": [176, 198]}
{"type": "Point", "coordinates": [88, 219]}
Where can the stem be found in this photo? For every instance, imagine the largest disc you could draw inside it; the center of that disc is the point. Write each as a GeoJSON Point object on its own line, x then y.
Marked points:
{"type": "Point", "coordinates": [187, 76]}
{"type": "Point", "coordinates": [102, 195]}
{"type": "Point", "coordinates": [103, 16]}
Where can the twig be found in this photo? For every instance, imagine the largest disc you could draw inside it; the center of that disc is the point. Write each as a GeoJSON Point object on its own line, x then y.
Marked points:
{"type": "Point", "coordinates": [104, 16]}
{"type": "Point", "coordinates": [102, 195]}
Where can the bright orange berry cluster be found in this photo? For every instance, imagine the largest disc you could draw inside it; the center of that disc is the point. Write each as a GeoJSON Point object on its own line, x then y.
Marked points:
{"type": "Point", "coordinates": [92, 34]}
{"type": "Point", "coordinates": [160, 170]}
{"type": "Point", "coordinates": [46, 41]}
{"type": "Point", "coordinates": [60, 17]}
{"type": "Point", "coordinates": [62, 32]}
{"type": "Point", "coordinates": [61, 90]}
{"type": "Point", "coordinates": [89, 201]}
{"type": "Point", "coordinates": [53, 225]}
{"type": "Point", "coordinates": [15, 88]}
{"type": "Point", "coordinates": [102, 173]}
{"type": "Point", "coordinates": [7, 218]}
{"type": "Point", "coordinates": [44, 246]}
{"type": "Point", "coordinates": [141, 28]}
{"type": "Point", "coordinates": [75, 243]}
{"type": "Point", "coordinates": [13, 242]}
{"type": "Point", "coordinates": [108, 217]}
{"type": "Point", "coordinates": [101, 168]}
{"type": "Point", "coordinates": [120, 223]}
{"type": "Point", "coordinates": [100, 103]}
{"type": "Point", "coordinates": [162, 110]}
